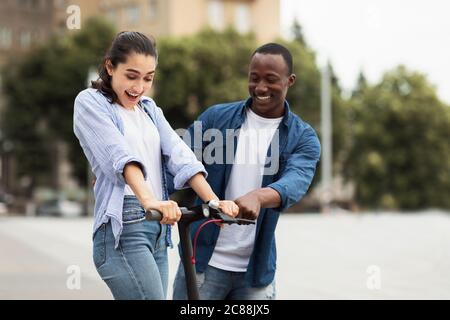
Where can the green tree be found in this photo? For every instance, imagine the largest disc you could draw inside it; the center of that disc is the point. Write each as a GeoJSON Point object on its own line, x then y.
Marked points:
{"type": "Point", "coordinates": [304, 98]}
{"type": "Point", "coordinates": [400, 157]}
{"type": "Point", "coordinates": [40, 89]}
{"type": "Point", "coordinates": [297, 31]}
{"type": "Point", "coordinates": [198, 71]}
{"type": "Point", "coordinates": [193, 73]}
{"type": "Point", "coordinates": [361, 85]}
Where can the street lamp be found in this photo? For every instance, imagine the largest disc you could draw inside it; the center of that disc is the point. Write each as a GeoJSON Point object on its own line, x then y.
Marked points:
{"type": "Point", "coordinates": [1, 160]}
{"type": "Point", "coordinates": [327, 142]}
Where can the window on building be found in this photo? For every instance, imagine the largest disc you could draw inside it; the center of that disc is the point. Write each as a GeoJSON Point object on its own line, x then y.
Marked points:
{"type": "Point", "coordinates": [5, 38]}
{"type": "Point", "coordinates": [242, 18]}
{"type": "Point", "coordinates": [112, 15]}
{"type": "Point", "coordinates": [25, 39]}
{"type": "Point", "coordinates": [133, 14]}
{"type": "Point", "coordinates": [35, 4]}
{"type": "Point", "coordinates": [42, 5]}
{"type": "Point", "coordinates": [216, 16]}
{"type": "Point", "coordinates": [152, 9]}
{"type": "Point", "coordinates": [24, 4]}
{"type": "Point", "coordinates": [61, 4]}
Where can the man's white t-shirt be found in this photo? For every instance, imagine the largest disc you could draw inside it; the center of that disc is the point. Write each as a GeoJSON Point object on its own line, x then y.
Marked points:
{"type": "Point", "coordinates": [142, 137]}
{"type": "Point", "coordinates": [235, 243]}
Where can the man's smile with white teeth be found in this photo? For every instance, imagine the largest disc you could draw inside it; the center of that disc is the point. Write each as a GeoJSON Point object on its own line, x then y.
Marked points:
{"type": "Point", "coordinates": [263, 97]}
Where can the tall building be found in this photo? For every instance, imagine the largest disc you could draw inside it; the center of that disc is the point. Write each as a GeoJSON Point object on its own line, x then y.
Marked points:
{"type": "Point", "coordinates": [184, 17]}
{"type": "Point", "coordinates": [24, 23]}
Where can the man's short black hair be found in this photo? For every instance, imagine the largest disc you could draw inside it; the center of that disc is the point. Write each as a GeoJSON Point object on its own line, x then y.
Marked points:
{"type": "Point", "coordinates": [275, 48]}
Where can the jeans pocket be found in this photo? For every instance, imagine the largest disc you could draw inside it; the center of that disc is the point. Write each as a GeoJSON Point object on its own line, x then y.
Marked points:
{"type": "Point", "coordinates": [161, 238]}
{"type": "Point", "coordinates": [132, 211]}
{"type": "Point", "coordinates": [99, 252]}
{"type": "Point", "coordinates": [133, 221]}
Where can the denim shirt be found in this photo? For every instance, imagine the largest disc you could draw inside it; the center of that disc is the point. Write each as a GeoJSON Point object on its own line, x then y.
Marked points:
{"type": "Point", "coordinates": [297, 155]}
{"type": "Point", "coordinates": [100, 131]}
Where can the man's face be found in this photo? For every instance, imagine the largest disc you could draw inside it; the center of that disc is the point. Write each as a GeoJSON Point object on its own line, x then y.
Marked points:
{"type": "Point", "coordinates": [268, 83]}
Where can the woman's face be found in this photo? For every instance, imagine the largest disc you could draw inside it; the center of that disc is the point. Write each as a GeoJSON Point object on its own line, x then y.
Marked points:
{"type": "Point", "coordinates": [131, 79]}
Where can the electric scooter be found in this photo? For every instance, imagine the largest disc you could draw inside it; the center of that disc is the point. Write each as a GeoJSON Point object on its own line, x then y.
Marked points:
{"type": "Point", "coordinates": [187, 255]}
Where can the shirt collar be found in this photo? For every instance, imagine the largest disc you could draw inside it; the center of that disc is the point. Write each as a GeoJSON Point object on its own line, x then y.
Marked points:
{"type": "Point", "coordinates": [286, 117]}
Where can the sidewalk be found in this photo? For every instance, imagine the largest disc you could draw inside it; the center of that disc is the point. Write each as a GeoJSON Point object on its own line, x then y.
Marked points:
{"type": "Point", "coordinates": [341, 256]}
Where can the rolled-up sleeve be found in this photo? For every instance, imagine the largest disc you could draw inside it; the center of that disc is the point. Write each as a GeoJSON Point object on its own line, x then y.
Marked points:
{"type": "Point", "coordinates": [298, 170]}
{"type": "Point", "coordinates": [100, 139]}
{"type": "Point", "coordinates": [181, 161]}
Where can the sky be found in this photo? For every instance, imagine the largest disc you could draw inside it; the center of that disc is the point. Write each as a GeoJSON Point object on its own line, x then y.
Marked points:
{"type": "Point", "coordinates": [375, 36]}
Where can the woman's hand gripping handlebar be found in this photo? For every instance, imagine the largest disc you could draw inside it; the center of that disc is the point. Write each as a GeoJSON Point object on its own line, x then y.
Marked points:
{"type": "Point", "coordinates": [199, 212]}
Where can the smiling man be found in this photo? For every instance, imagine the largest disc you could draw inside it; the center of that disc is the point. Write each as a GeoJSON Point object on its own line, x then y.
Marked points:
{"type": "Point", "coordinates": [239, 261]}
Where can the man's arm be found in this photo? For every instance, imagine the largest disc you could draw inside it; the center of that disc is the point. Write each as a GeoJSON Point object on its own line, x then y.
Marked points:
{"type": "Point", "coordinates": [293, 183]}
{"type": "Point", "coordinates": [298, 170]}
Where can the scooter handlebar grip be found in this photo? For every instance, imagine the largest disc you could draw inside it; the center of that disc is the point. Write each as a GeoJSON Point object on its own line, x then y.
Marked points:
{"type": "Point", "coordinates": [153, 215]}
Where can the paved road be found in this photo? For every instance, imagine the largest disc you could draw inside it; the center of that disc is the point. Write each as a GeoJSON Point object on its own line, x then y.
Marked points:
{"type": "Point", "coordinates": [335, 256]}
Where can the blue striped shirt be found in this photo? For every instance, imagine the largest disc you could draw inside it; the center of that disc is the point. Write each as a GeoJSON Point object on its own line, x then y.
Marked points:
{"type": "Point", "coordinates": [100, 131]}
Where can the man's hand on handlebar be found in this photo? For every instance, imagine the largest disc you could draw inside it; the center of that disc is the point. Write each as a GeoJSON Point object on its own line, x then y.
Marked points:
{"type": "Point", "coordinates": [249, 206]}
{"type": "Point", "coordinates": [169, 210]}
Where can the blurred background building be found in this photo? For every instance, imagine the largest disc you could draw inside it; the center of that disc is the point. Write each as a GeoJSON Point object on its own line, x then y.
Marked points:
{"type": "Point", "coordinates": [24, 22]}
{"type": "Point", "coordinates": [180, 17]}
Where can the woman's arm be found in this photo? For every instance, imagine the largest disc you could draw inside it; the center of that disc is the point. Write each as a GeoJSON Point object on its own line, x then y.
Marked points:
{"type": "Point", "coordinates": [102, 142]}
{"type": "Point", "coordinates": [135, 179]}
{"type": "Point", "coordinates": [199, 184]}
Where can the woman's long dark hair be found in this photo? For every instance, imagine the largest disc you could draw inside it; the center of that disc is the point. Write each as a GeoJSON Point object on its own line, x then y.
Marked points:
{"type": "Point", "coordinates": [125, 43]}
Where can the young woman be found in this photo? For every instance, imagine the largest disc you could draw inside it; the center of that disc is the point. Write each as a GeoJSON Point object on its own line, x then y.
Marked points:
{"type": "Point", "coordinates": [128, 144]}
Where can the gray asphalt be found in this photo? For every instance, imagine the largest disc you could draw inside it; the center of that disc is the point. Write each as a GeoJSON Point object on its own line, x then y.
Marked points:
{"type": "Point", "coordinates": [333, 256]}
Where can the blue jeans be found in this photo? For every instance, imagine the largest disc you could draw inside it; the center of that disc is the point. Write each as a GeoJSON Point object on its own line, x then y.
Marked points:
{"type": "Point", "coordinates": [217, 284]}
{"type": "Point", "coordinates": [138, 268]}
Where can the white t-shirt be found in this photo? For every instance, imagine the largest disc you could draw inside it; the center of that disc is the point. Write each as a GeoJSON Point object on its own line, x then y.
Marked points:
{"type": "Point", "coordinates": [143, 139]}
{"type": "Point", "coordinates": [235, 243]}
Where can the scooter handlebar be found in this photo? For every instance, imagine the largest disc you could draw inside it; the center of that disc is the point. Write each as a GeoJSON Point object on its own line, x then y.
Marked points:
{"type": "Point", "coordinates": [199, 212]}
{"type": "Point", "coordinates": [153, 215]}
